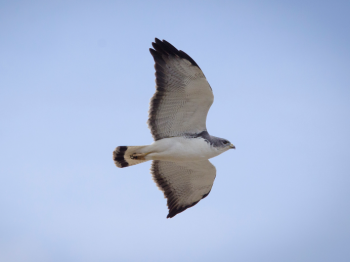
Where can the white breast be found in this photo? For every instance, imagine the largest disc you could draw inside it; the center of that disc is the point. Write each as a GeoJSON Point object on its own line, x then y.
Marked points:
{"type": "Point", "coordinates": [181, 149]}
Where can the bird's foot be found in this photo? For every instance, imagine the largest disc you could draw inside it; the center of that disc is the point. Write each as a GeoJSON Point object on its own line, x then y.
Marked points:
{"type": "Point", "coordinates": [138, 156]}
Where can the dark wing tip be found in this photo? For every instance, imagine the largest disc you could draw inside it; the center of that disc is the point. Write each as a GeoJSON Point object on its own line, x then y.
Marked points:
{"type": "Point", "coordinates": [165, 48]}
{"type": "Point", "coordinates": [174, 211]}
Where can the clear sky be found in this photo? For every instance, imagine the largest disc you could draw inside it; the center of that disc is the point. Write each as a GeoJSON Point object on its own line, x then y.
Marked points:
{"type": "Point", "coordinates": [76, 78]}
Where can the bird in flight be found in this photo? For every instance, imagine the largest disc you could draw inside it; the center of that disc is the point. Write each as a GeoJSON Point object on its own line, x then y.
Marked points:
{"type": "Point", "coordinates": [177, 120]}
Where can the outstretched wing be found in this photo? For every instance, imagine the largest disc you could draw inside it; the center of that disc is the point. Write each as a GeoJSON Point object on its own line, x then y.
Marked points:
{"type": "Point", "coordinates": [184, 184]}
{"type": "Point", "coordinates": [183, 96]}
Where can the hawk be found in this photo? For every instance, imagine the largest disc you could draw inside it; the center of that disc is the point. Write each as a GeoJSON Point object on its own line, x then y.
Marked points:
{"type": "Point", "coordinates": [177, 120]}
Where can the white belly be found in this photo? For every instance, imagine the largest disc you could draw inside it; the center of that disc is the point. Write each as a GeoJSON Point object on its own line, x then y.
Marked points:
{"type": "Point", "coordinates": [181, 149]}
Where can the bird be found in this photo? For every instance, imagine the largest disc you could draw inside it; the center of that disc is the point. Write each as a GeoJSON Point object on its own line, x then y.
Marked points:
{"type": "Point", "coordinates": [177, 120]}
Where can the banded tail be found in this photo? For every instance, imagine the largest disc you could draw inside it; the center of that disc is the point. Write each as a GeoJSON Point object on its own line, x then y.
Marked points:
{"type": "Point", "coordinates": [122, 156]}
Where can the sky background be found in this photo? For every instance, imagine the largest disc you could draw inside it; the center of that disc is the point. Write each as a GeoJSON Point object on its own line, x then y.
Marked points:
{"type": "Point", "coordinates": [76, 78]}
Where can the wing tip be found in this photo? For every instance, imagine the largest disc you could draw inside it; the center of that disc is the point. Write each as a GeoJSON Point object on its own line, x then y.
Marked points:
{"type": "Point", "coordinates": [165, 48]}
{"type": "Point", "coordinates": [174, 211]}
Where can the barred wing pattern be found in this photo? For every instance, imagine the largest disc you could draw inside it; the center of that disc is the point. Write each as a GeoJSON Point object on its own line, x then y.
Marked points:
{"type": "Point", "coordinates": [184, 184]}
{"type": "Point", "coordinates": [183, 95]}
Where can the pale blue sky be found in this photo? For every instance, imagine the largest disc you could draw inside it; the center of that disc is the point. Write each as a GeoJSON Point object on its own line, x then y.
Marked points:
{"type": "Point", "coordinates": [75, 82]}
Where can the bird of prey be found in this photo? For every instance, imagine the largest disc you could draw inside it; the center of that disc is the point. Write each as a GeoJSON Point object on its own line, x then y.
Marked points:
{"type": "Point", "coordinates": [177, 120]}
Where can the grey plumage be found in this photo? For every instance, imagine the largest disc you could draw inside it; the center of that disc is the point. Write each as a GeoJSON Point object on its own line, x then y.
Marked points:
{"type": "Point", "coordinates": [212, 140]}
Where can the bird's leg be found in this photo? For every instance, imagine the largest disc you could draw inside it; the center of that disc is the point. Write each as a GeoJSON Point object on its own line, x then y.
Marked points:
{"type": "Point", "coordinates": [139, 156]}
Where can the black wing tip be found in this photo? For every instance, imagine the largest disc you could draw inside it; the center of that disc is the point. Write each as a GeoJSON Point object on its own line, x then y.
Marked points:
{"type": "Point", "coordinates": [174, 211]}
{"type": "Point", "coordinates": [165, 48]}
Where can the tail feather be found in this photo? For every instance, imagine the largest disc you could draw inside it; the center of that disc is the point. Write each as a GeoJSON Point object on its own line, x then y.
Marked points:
{"type": "Point", "coordinates": [121, 156]}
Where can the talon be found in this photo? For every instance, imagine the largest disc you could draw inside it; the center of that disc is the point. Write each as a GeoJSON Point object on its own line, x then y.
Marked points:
{"type": "Point", "coordinates": [138, 156]}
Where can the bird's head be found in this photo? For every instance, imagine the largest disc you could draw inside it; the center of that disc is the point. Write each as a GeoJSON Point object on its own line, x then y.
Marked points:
{"type": "Point", "coordinates": [227, 144]}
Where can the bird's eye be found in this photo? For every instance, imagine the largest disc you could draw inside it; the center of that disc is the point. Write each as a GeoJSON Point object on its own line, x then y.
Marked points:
{"type": "Point", "coordinates": [226, 142]}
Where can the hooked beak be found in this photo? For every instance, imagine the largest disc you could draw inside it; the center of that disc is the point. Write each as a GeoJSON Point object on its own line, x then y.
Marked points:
{"type": "Point", "coordinates": [232, 146]}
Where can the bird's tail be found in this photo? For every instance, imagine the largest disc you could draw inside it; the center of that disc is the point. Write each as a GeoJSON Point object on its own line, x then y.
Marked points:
{"type": "Point", "coordinates": [123, 156]}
